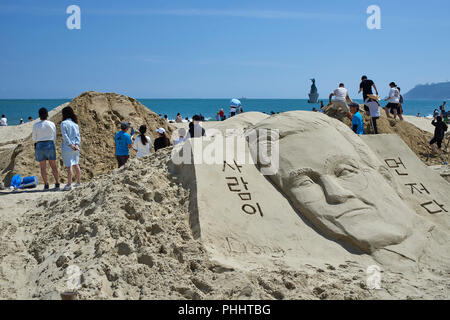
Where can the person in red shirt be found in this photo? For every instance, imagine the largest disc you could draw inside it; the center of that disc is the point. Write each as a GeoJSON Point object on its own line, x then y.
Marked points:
{"type": "Point", "coordinates": [222, 115]}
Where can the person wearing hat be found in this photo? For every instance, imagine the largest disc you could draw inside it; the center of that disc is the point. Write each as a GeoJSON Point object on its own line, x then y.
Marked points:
{"type": "Point", "coordinates": [374, 110]}
{"type": "Point", "coordinates": [394, 100]}
{"type": "Point", "coordinates": [123, 144]}
{"type": "Point", "coordinates": [357, 120]}
{"type": "Point", "coordinates": [162, 141]}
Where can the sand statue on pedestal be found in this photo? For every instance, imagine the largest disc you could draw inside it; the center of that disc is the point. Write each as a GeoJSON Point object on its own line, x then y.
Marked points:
{"type": "Point", "coordinates": [313, 95]}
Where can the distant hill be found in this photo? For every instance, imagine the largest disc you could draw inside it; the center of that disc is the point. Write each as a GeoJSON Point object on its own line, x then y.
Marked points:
{"type": "Point", "coordinates": [433, 91]}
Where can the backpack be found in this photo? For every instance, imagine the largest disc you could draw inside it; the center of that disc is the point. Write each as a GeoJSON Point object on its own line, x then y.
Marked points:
{"type": "Point", "coordinates": [29, 182]}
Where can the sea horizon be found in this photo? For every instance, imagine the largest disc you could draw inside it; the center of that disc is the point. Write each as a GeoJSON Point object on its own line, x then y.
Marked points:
{"type": "Point", "coordinates": [21, 108]}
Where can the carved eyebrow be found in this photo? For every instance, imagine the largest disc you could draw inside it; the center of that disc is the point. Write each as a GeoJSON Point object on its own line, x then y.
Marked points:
{"type": "Point", "coordinates": [303, 171]}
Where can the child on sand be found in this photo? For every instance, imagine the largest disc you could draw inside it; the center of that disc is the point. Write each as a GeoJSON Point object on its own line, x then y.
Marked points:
{"type": "Point", "coordinates": [70, 147]}
{"type": "Point", "coordinates": [143, 143]}
{"type": "Point", "coordinates": [374, 110]}
{"type": "Point", "coordinates": [357, 120]}
{"type": "Point", "coordinates": [123, 144]}
{"type": "Point", "coordinates": [44, 136]}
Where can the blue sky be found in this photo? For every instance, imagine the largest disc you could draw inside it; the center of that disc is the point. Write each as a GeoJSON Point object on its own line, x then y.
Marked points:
{"type": "Point", "coordinates": [218, 49]}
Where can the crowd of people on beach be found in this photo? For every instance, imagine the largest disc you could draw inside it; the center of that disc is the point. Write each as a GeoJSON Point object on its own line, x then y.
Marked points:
{"type": "Point", "coordinates": [372, 106]}
{"type": "Point", "coordinates": [44, 131]}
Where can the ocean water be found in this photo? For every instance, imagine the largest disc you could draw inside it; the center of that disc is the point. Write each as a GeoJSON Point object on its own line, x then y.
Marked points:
{"type": "Point", "coordinates": [17, 109]}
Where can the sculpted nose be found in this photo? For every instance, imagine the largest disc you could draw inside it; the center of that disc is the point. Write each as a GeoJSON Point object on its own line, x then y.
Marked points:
{"type": "Point", "coordinates": [334, 193]}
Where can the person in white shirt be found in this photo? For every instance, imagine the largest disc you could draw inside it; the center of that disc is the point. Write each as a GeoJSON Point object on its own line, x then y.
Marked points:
{"type": "Point", "coordinates": [340, 99]}
{"type": "Point", "coordinates": [44, 136]}
{"type": "Point", "coordinates": [394, 100]}
{"type": "Point", "coordinates": [3, 121]}
{"type": "Point", "coordinates": [372, 103]}
{"type": "Point", "coordinates": [143, 143]}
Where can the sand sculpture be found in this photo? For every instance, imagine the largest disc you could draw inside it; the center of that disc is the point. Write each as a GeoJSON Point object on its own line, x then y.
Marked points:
{"type": "Point", "coordinates": [344, 189]}
{"type": "Point", "coordinates": [331, 191]}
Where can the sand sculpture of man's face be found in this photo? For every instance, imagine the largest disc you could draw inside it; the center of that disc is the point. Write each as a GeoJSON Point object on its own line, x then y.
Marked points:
{"type": "Point", "coordinates": [335, 181]}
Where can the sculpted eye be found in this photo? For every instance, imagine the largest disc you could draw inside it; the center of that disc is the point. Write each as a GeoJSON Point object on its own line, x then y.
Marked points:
{"type": "Point", "coordinates": [345, 171]}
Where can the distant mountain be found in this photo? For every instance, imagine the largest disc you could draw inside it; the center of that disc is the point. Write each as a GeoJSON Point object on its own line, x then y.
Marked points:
{"type": "Point", "coordinates": [433, 91]}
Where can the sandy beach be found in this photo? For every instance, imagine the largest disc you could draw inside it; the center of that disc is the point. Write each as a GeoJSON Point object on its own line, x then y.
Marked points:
{"type": "Point", "coordinates": [421, 123]}
{"type": "Point", "coordinates": [337, 215]}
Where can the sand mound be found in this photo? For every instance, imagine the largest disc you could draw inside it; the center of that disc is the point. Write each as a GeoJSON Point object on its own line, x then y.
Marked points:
{"type": "Point", "coordinates": [99, 117]}
{"type": "Point", "coordinates": [128, 233]}
{"type": "Point", "coordinates": [138, 233]}
{"type": "Point", "coordinates": [416, 138]}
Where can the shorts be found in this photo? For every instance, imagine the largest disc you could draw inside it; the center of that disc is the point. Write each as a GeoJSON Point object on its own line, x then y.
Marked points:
{"type": "Point", "coordinates": [393, 106]}
{"type": "Point", "coordinates": [437, 141]}
{"type": "Point", "coordinates": [341, 104]}
{"type": "Point", "coordinates": [121, 160]}
{"type": "Point", "coordinates": [45, 150]}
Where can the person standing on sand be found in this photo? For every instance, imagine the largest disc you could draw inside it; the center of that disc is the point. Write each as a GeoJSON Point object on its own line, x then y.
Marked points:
{"type": "Point", "coordinates": [143, 143]}
{"type": "Point", "coordinates": [123, 144]}
{"type": "Point", "coordinates": [30, 119]}
{"type": "Point", "coordinates": [400, 105]}
{"type": "Point", "coordinates": [162, 141]}
{"type": "Point", "coordinates": [374, 110]}
{"type": "Point", "coordinates": [195, 129]}
{"type": "Point", "coordinates": [3, 121]}
{"type": "Point", "coordinates": [181, 135]}
{"type": "Point", "coordinates": [70, 146]}
{"type": "Point", "coordinates": [222, 114]}
{"type": "Point", "coordinates": [439, 133]}
{"type": "Point", "coordinates": [357, 120]}
{"type": "Point", "coordinates": [366, 87]}
{"type": "Point", "coordinates": [179, 118]}
{"type": "Point", "coordinates": [340, 100]}
{"type": "Point", "coordinates": [394, 100]}
{"type": "Point", "coordinates": [44, 136]}
{"type": "Point", "coordinates": [442, 108]}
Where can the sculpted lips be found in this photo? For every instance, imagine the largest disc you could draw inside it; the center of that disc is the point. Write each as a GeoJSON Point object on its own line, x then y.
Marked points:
{"type": "Point", "coordinates": [354, 211]}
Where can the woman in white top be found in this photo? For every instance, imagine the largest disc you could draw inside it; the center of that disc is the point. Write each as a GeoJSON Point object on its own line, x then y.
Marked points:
{"type": "Point", "coordinates": [142, 144]}
{"type": "Point", "coordinates": [44, 136]}
{"type": "Point", "coordinates": [70, 146]}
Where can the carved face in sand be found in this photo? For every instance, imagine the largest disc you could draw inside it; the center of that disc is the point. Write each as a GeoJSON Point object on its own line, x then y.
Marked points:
{"type": "Point", "coordinates": [336, 182]}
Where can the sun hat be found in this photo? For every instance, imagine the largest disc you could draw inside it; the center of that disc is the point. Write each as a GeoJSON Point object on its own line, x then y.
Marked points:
{"type": "Point", "coordinates": [124, 125]}
{"type": "Point", "coordinates": [373, 97]}
{"type": "Point", "coordinates": [161, 130]}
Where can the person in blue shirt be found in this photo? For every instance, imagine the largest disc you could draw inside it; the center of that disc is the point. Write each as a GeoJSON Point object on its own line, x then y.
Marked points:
{"type": "Point", "coordinates": [123, 144]}
{"type": "Point", "coordinates": [357, 120]}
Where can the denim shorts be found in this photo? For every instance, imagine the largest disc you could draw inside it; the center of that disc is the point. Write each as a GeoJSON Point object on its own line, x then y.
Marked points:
{"type": "Point", "coordinates": [45, 150]}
